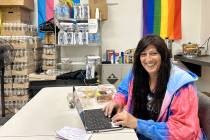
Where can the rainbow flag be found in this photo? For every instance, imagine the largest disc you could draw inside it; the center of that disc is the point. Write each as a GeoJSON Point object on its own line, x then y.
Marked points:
{"type": "Point", "coordinates": [162, 17]}
{"type": "Point", "coordinates": [71, 3]}
{"type": "Point", "coordinates": [45, 12]}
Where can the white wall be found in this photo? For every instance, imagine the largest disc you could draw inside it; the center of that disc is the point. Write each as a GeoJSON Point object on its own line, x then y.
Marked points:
{"type": "Point", "coordinates": [124, 26]}
{"type": "Point", "coordinates": [205, 20]}
{"type": "Point", "coordinates": [191, 21]}
{"type": "Point", "coordinates": [204, 82]}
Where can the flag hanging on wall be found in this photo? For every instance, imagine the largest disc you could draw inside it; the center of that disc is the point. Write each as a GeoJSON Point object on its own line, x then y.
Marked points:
{"type": "Point", "coordinates": [162, 17]}
{"type": "Point", "coordinates": [45, 12]}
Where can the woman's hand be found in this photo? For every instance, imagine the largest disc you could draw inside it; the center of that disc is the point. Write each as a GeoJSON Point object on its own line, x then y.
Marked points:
{"type": "Point", "coordinates": [110, 107]}
{"type": "Point", "coordinates": [125, 119]}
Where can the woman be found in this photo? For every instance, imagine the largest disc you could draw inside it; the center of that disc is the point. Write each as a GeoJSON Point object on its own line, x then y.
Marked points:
{"type": "Point", "coordinates": [160, 99]}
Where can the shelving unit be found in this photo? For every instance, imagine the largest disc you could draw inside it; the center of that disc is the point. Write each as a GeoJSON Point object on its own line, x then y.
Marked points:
{"type": "Point", "coordinates": [79, 44]}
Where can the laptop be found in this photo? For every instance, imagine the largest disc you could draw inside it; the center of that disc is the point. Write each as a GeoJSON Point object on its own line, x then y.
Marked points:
{"type": "Point", "coordinates": [93, 120]}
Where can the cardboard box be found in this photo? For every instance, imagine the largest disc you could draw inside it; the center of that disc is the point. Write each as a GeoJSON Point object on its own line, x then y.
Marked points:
{"type": "Point", "coordinates": [16, 15]}
{"type": "Point", "coordinates": [44, 67]}
{"type": "Point", "coordinates": [27, 4]}
{"type": "Point", "coordinates": [22, 45]}
{"type": "Point", "coordinates": [7, 86]}
{"type": "Point", "coordinates": [37, 42]}
{"type": "Point", "coordinates": [8, 72]}
{"type": "Point", "coordinates": [45, 56]}
{"type": "Point", "coordinates": [103, 8]}
{"type": "Point", "coordinates": [26, 59]}
{"type": "Point", "coordinates": [14, 33]}
{"type": "Point", "coordinates": [21, 86]}
{"type": "Point", "coordinates": [23, 72]}
{"type": "Point", "coordinates": [14, 103]}
{"type": "Point", "coordinates": [15, 98]}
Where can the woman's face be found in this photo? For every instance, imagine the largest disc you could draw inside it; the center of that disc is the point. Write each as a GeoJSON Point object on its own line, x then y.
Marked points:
{"type": "Point", "coordinates": [151, 60]}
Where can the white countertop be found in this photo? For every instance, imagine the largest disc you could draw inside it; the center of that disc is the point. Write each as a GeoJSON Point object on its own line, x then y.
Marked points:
{"type": "Point", "coordinates": [47, 112]}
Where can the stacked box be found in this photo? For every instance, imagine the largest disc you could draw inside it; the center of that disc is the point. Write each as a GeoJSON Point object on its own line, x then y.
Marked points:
{"type": "Point", "coordinates": [8, 71]}
{"type": "Point", "coordinates": [15, 103]}
{"type": "Point", "coordinates": [37, 53]}
{"type": "Point", "coordinates": [26, 4]}
{"type": "Point", "coordinates": [17, 29]}
{"type": "Point", "coordinates": [16, 15]}
{"type": "Point", "coordinates": [49, 57]}
{"type": "Point", "coordinates": [16, 75]}
{"type": "Point", "coordinates": [17, 11]}
{"type": "Point", "coordinates": [23, 55]}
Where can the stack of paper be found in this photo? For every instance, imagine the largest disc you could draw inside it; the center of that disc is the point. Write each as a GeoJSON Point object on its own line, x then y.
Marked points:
{"type": "Point", "coordinates": [68, 133]}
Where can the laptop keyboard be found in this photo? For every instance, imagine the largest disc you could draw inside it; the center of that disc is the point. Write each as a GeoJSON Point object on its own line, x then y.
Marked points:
{"type": "Point", "coordinates": [96, 120]}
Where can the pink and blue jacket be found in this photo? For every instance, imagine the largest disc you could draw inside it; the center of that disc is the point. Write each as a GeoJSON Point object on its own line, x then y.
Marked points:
{"type": "Point", "coordinates": [178, 118]}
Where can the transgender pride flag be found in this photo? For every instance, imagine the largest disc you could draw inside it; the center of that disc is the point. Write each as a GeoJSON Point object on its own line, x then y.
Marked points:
{"type": "Point", "coordinates": [162, 17]}
{"type": "Point", "coordinates": [45, 12]}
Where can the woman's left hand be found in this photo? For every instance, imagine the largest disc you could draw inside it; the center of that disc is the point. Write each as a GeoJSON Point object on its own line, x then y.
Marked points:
{"type": "Point", "coordinates": [125, 119]}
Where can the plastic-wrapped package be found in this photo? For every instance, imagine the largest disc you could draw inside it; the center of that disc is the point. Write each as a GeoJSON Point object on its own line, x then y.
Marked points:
{"type": "Point", "coordinates": [62, 11]}
{"type": "Point", "coordinates": [62, 38]}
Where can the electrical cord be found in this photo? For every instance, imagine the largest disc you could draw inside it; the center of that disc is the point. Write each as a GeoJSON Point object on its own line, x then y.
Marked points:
{"type": "Point", "coordinates": [207, 45]}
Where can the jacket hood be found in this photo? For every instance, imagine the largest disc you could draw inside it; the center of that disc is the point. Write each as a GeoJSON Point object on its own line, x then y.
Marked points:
{"type": "Point", "coordinates": [178, 78]}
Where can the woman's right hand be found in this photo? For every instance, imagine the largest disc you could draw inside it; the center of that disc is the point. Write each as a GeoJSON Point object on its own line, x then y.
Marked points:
{"type": "Point", "coordinates": [110, 107]}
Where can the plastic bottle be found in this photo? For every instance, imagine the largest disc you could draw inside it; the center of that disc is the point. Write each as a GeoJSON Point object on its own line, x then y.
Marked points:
{"type": "Point", "coordinates": [97, 13]}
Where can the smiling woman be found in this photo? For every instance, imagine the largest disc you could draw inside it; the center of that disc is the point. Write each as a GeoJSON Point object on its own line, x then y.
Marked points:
{"type": "Point", "coordinates": [159, 98]}
{"type": "Point", "coordinates": [151, 64]}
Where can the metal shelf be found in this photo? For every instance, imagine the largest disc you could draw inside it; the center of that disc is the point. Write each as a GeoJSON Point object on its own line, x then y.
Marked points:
{"type": "Point", "coordinates": [85, 46]}
{"type": "Point", "coordinates": [72, 20]}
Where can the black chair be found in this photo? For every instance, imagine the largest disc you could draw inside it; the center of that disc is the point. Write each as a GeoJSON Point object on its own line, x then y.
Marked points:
{"type": "Point", "coordinates": [204, 113]}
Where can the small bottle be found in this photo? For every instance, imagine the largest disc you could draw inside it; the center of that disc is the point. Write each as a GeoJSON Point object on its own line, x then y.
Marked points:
{"type": "Point", "coordinates": [97, 14]}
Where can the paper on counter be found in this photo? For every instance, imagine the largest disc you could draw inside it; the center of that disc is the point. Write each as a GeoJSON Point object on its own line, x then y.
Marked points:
{"type": "Point", "coordinates": [68, 133]}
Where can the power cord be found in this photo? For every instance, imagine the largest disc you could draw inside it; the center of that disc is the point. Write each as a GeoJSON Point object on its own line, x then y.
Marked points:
{"type": "Point", "coordinates": [207, 47]}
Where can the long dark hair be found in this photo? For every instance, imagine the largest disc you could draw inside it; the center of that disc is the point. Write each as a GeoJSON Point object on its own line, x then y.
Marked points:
{"type": "Point", "coordinates": [141, 86]}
